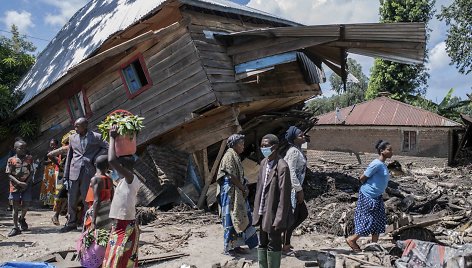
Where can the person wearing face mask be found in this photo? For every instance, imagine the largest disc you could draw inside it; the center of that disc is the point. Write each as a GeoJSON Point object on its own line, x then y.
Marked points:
{"type": "Point", "coordinates": [272, 209]}
{"type": "Point", "coordinates": [296, 161]}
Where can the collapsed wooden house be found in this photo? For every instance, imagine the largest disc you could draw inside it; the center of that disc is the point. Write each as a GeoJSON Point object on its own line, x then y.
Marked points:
{"type": "Point", "coordinates": [197, 70]}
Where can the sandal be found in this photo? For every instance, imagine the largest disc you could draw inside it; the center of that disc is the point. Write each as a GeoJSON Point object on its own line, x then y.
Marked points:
{"type": "Point", "coordinates": [289, 252]}
{"type": "Point", "coordinates": [14, 231]}
{"type": "Point", "coordinates": [353, 245]}
{"type": "Point", "coordinates": [55, 220]}
{"type": "Point", "coordinates": [239, 250]}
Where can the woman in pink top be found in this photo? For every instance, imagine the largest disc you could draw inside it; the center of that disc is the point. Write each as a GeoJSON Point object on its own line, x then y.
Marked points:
{"type": "Point", "coordinates": [122, 248]}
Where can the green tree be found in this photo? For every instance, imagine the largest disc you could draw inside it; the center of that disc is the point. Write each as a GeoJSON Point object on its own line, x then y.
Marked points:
{"type": "Point", "coordinates": [400, 79]}
{"type": "Point", "coordinates": [450, 106]}
{"type": "Point", "coordinates": [15, 61]}
{"type": "Point", "coordinates": [355, 90]}
{"type": "Point", "coordinates": [458, 17]}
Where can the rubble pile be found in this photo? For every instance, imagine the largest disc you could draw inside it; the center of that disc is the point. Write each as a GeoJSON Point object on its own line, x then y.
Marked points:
{"type": "Point", "coordinates": [416, 198]}
{"type": "Point", "coordinates": [178, 214]}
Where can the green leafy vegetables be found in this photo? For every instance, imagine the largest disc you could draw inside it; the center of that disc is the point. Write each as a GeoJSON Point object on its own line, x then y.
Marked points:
{"type": "Point", "coordinates": [128, 124]}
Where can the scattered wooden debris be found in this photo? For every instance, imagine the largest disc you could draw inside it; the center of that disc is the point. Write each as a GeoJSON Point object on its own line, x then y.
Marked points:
{"type": "Point", "coordinates": [61, 259]}
{"type": "Point", "coordinates": [161, 257]}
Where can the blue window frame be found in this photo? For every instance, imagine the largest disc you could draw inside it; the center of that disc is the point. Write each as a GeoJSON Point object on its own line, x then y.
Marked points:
{"type": "Point", "coordinates": [135, 76]}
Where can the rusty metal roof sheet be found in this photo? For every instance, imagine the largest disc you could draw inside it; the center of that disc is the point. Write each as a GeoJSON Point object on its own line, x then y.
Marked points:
{"type": "Point", "coordinates": [384, 111]}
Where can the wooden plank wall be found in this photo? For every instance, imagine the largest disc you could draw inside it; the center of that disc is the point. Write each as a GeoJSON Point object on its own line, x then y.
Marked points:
{"type": "Point", "coordinates": [285, 81]}
{"type": "Point", "coordinates": [180, 87]}
{"type": "Point", "coordinates": [217, 63]}
{"type": "Point", "coordinates": [212, 127]}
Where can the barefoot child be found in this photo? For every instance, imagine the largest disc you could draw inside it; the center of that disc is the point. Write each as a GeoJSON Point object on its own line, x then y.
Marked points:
{"type": "Point", "coordinates": [122, 248]}
{"type": "Point", "coordinates": [19, 170]}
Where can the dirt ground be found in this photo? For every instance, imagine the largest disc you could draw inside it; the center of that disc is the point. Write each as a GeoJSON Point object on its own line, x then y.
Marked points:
{"type": "Point", "coordinates": [204, 244]}
{"type": "Point", "coordinates": [329, 191]}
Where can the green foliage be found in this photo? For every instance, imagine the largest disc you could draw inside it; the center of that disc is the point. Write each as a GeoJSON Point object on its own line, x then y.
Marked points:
{"type": "Point", "coordinates": [354, 69]}
{"type": "Point", "coordinates": [14, 64]}
{"type": "Point", "coordinates": [458, 16]}
{"type": "Point", "coordinates": [26, 127]}
{"type": "Point", "coordinates": [4, 132]}
{"type": "Point", "coordinates": [450, 107]}
{"type": "Point", "coordinates": [354, 91]}
{"type": "Point", "coordinates": [99, 236]}
{"type": "Point", "coordinates": [127, 124]}
{"type": "Point", "coordinates": [399, 79]}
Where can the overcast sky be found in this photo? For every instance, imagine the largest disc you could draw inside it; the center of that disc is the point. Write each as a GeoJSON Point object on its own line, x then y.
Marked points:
{"type": "Point", "coordinates": [42, 19]}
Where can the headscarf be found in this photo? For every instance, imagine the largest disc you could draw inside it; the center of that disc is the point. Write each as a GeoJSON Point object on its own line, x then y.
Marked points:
{"type": "Point", "coordinates": [292, 133]}
{"type": "Point", "coordinates": [65, 138]}
{"type": "Point", "coordinates": [234, 139]}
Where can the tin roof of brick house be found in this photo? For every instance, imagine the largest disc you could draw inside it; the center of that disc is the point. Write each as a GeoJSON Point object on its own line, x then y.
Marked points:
{"type": "Point", "coordinates": [384, 111]}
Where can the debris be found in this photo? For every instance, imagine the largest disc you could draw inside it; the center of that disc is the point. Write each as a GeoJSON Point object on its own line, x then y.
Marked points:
{"type": "Point", "coordinates": [161, 257]}
{"type": "Point", "coordinates": [428, 254]}
{"type": "Point", "coordinates": [61, 259]}
{"type": "Point", "coordinates": [418, 199]}
{"type": "Point", "coordinates": [359, 260]}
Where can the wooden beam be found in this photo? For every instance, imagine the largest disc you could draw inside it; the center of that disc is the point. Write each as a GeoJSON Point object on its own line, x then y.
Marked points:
{"type": "Point", "coordinates": [278, 48]}
{"type": "Point", "coordinates": [377, 44]}
{"type": "Point", "coordinates": [207, 180]}
{"type": "Point", "coordinates": [214, 169]}
{"type": "Point", "coordinates": [206, 171]}
{"type": "Point", "coordinates": [199, 166]}
{"type": "Point", "coordinates": [218, 158]}
{"type": "Point", "coordinates": [257, 44]}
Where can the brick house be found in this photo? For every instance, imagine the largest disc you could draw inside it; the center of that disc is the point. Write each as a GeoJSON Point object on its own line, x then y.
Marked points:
{"type": "Point", "coordinates": [412, 131]}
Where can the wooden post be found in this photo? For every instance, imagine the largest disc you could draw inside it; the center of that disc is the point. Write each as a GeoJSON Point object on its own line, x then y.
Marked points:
{"type": "Point", "coordinates": [209, 175]}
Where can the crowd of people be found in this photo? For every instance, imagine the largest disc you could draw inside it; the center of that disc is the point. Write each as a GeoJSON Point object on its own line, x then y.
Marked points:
{"type": "Point", "coordinates": [77, 177]}
{"type": "Point", "coordinates": [279, 206]}
{"type": "Point", "coordinates": [77, 182]}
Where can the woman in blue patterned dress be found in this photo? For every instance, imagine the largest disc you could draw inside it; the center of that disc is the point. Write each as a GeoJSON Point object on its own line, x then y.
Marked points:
{"type": "Point", "coordinates": [232, 198]}
{"type": "Point", "coordinates": [370, 218]}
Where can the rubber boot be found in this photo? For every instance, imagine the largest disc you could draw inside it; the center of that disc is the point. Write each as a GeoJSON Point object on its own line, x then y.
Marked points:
{"type": "Point", "coordinates": [273, 259]}
{"type": "Point", "coordinates": [262, 257]}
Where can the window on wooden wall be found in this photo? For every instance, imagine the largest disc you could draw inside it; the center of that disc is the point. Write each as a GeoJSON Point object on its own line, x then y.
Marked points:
{"type": "Point", "coordinates": [78, 106]}
{"type": "Point", "coordinates": [409, 141]}
{"type": "Point", "coordinates": [135, 76]}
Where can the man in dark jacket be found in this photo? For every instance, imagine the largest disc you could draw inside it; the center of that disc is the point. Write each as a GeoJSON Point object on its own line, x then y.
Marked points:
{"type": "Point", "coordinates": [272, 207]}
{"type": "Point", "coordinates": [84, 147]}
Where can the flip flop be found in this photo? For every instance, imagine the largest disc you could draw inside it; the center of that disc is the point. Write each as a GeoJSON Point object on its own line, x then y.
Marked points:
{"type": "Point", "coordinates": [55, 220]}
{"type": "Point", "coordinates": [240, 251]}
{"type": "Point", "coordinates": [289, 252]}
{"type": "Point", "coordinates": [354, 246]}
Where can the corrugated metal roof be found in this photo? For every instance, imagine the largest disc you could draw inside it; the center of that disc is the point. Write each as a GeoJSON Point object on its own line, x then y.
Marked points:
{"type": "Point", "coordinates": [93, 24]}
{"type": "Point", "coordinates": [400, 41]}
{"type": "Point", "coordinates": [383, 111]}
